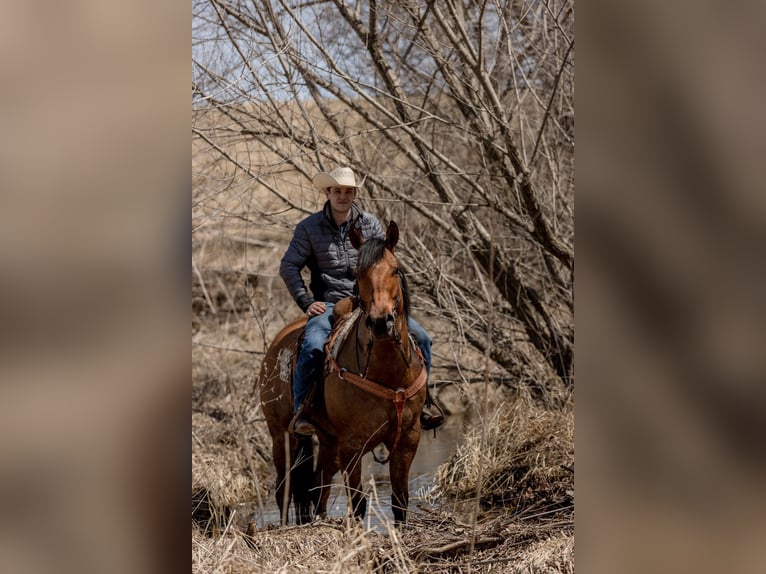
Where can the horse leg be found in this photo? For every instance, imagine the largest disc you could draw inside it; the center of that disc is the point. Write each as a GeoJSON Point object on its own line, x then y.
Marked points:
{"type": "Point", "coordinates": [302, 478]}
{"type": "Point", "coordinates": [326, 469]}
{"type": "Point", "coordinates": [399, 470]}
{"type": "Point", "coordinates": [352, 463]}
{"type": "Point", "coordinates": [281, 464]}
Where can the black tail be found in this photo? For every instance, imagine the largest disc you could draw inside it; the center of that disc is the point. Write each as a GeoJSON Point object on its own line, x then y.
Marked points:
{"type": "Point", "coordinates": [305, 496]}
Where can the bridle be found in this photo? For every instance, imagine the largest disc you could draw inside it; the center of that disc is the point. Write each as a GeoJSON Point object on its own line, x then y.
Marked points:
{"type": "Point", "coordinates": [363, 305]}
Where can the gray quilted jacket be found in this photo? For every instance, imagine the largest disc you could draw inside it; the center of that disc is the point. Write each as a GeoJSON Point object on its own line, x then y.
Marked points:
{"type": "Point", "coordinates": [319, 244]}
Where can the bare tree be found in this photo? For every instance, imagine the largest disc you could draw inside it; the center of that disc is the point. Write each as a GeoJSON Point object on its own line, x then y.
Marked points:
{"type": "Point", "coordinates": [460, 115]}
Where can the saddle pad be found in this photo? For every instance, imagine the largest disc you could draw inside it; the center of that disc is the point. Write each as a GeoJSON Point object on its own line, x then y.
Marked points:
{"type": "Point", "coordinates": [340, 332]}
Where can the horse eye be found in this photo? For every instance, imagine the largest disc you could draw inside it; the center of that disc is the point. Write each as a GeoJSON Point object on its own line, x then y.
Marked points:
{"type": "Point", "coordinates": [395, 271]}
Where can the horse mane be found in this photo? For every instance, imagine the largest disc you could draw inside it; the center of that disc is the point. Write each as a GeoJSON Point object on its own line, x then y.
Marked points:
{"type": "Point", "coordinates": [370, 254]}
{"type": "Point", "coordinates": [405, 293]}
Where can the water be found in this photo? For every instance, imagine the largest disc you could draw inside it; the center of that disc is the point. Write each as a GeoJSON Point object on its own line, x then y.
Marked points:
{"type": "Point", "coordinates": [431, 453]}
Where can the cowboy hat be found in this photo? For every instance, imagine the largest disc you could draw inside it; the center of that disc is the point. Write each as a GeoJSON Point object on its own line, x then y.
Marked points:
{"type": "Point", "coordinates": [339, 177]}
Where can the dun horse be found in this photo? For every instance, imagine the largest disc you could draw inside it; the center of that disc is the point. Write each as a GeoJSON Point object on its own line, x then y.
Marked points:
{"type": "Point", "coordinates": [372, 392]}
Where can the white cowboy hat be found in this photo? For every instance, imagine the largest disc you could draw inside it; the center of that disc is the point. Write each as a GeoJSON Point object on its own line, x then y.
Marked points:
{"type": "Point", "coordinates": [339, 177]}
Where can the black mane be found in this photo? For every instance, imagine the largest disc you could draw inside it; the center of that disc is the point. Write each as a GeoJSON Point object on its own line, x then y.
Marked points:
{"type": "Point", "coordinates": [370, 254]}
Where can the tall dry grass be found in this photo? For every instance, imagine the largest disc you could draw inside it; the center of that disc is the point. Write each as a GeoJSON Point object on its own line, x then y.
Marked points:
{"type": "Point", "coordinates": [337, 546]}
{"type": "Point", "coordinates": [524, 459]}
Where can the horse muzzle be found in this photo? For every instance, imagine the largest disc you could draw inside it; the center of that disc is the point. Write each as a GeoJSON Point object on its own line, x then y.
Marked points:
{"type": "Point", "coordinates": [383, 327]}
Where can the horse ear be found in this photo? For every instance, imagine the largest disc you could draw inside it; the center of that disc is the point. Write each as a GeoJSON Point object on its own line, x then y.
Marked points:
{"type": "Point", "coordinates": [392, 235]}
{"type": "Point", "coordinates": [356, 238]}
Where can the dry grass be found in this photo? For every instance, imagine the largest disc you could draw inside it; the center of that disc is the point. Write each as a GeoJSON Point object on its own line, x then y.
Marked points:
{"type": "Point", "coordinates": [332, 546]}
{"type": "Point", "coordinates": [439, 543]}
{"type": "Point", "coordinates": [526, 457]}
{"type": "Point", "coordinates": [444, 543]}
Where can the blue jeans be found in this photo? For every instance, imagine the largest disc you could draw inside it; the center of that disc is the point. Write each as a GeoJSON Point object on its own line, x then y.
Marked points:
{"type": "Point", "coordinates": [422, 339]}
{"type": "Point", "coordinates": [311, 354]}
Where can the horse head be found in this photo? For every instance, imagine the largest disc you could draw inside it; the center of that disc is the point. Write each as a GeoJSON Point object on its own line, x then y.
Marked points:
{"type": "Point", "coordinates": [381, 283]}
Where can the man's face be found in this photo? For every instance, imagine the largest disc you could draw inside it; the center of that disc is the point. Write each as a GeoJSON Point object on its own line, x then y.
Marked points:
{"type": "Point", "coordinates": [341, 198]}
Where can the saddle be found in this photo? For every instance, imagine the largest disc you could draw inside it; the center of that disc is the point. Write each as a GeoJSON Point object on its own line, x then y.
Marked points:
{"type": "Point", "coordinates": [345, 313]}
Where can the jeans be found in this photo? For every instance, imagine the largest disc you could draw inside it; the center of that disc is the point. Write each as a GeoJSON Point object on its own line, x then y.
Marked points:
{"type": "Point", "coordinates": [422, 340]}
{"type": "Point", "coordinates": [311, 354]}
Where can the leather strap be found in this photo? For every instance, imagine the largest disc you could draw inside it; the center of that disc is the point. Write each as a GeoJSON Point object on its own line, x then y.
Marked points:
{"type": "Point", "coordinates": [398, 396]}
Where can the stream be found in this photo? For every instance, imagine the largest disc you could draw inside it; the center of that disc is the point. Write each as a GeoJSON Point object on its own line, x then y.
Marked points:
{"type": "Point", "coordinates": [432, 452]}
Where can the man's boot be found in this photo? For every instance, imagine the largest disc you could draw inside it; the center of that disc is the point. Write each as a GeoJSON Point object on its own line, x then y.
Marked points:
{"type": "Point", "coordinates": [300, 425]}
{"type": "Point", "coordinates": [431, 419]}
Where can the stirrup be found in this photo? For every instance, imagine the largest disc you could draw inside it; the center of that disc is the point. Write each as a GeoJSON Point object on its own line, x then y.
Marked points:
{"type": "Point", "coordinates": [300, 425]}
{"type": "Point", "coordinates": [430, 421]}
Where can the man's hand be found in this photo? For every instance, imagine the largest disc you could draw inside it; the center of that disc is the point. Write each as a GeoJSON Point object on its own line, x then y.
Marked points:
{"type": "Point", "coordinates": [316, 308]}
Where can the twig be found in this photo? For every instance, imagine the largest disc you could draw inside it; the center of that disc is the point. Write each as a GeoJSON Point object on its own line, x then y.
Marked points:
{"type": "Point", "coordinates": [233, 349]}
{"type": "Point", "coordinates": [458, 546]}
{"type": "Point", "coordinates": [202, 285]}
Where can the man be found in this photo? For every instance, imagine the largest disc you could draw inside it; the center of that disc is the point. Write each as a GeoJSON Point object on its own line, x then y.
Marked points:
{"type": "Point", "coordinates": [321, 243]}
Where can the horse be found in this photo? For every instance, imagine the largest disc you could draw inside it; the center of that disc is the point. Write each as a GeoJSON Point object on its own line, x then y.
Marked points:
{"type": "Point", "coordinates": [372, 391]}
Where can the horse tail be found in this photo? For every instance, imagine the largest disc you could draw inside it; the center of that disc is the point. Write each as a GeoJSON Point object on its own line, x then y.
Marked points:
{"type": "Point", "coordinates": [302, 476]}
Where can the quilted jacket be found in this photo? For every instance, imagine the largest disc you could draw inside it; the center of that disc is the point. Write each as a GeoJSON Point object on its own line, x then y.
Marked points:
{"type": "Point", "coordinates": [319, 244]}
